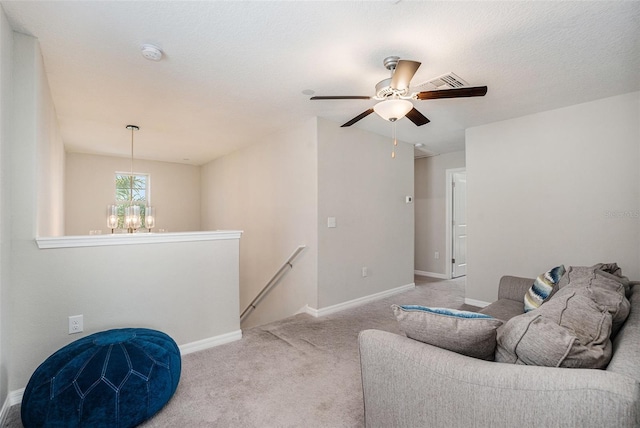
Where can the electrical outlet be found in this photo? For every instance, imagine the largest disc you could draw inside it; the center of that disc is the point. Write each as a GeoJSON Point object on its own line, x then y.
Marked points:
{"type": "Point", "coordinates": [75, 324]}
{"type": "Point", "coordinates": [365, 272]}
{"type": "Point", "coordinates": [436, 255]}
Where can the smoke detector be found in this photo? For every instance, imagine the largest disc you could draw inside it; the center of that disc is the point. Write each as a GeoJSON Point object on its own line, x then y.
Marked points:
{"type": "Point", "coordinates": [151, 52]}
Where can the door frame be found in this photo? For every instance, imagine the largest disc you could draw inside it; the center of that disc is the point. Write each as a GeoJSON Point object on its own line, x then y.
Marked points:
{"type": "Point", "coordinates": [449, 219]}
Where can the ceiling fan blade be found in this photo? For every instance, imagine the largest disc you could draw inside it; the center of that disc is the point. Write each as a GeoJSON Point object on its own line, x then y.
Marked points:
{"type": "Point", "coordinates": [342, 97]}
{"type": "Point", "coordinates": [403, 74]}
{"type": "Point", "coordinates": [475, 91]}
{"type": "Point", "coordinates": [358, 117]}
{"type": "Point", "coordinates": [417, 118]}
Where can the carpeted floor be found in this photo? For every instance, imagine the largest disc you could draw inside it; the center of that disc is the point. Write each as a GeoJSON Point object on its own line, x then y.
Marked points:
{"type": "Point", "coordinates": [300, 371]}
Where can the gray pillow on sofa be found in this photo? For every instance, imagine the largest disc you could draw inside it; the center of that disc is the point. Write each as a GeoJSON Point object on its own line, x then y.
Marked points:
{"type": "Point", "coordinates": [603, 288]}
{"type": "Point", "coordinates": [468, 333]}
{"type": "Point", "coordinates": [570, 330]}
{"type": "Point", "coordinates": [574, 327]}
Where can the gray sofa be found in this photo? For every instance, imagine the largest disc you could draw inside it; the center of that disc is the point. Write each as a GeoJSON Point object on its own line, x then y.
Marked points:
{"type": "Point", "coordinates": [407, 383]}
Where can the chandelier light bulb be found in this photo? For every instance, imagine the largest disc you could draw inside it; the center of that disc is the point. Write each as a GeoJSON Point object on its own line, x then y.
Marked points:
{"type": "Point", "coordinates": [112, 217]}
{"type": "Point", "coordinates": [150, 217]}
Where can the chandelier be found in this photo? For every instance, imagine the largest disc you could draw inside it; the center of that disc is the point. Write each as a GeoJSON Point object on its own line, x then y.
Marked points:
{"type": "Point", "coordinates": [132, 219]}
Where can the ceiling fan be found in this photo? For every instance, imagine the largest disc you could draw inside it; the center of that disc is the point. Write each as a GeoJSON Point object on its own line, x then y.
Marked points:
{"type": "Point", "coordinates": [395, 94]}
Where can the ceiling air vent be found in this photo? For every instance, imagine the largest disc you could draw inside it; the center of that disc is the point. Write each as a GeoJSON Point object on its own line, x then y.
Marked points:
{"type": "Point", "coordinates": [446, 81]}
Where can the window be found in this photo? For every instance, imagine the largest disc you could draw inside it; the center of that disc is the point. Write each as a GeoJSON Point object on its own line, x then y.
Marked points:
{"type": "Point", "coordinates": [124, 189]}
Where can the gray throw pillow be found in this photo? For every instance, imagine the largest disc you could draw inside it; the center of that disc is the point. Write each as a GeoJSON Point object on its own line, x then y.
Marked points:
{"type": "Point", "coordinates": [570, 330]}
{"type": "Point", "coordinates": [468, 333]}
{"type": "Point", "coordinates": [603, 288]}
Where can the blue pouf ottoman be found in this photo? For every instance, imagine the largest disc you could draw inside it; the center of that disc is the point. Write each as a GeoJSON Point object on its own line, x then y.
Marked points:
{"type": "Point", "coordinates": [116, 378]}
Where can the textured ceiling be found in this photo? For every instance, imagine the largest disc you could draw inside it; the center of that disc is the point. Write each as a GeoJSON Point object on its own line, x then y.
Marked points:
{"type": "Point", "coordinates": [235, 71]}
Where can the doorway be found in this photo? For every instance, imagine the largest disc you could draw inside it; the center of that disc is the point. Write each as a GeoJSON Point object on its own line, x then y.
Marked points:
{"type": "Point", "coordinates": [456, 217]}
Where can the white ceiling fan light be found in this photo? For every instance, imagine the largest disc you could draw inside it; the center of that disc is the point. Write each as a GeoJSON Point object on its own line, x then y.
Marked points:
{"type": "Point", "coordinates": [393, 109]}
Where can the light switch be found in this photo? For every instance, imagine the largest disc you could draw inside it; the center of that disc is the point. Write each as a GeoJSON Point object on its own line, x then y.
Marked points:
{"type": "Point", "coordinates": [331, 222]}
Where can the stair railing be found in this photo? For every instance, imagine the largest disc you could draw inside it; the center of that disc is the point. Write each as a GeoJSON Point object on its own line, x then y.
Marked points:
{"type": "Point", "coordinates": [272, 282]}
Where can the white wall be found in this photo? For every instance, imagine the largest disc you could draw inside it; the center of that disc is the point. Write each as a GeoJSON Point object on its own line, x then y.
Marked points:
{"type": "Point", "coordinates": [268, 190]}
{"type": "Point", "coordinates": [364, 189]}
{"type": "Point", "coordinates": [430, 201]}
{"type": "Point", "coordinates": [6, 92]}
{"type": "Point", "coordinates": [189, 290]}
{"type": "Point", "coordinates": [562, 186]}
{"type": "Point", "coordinates": [90, 187]}
{"type": "Point", "coordinates": [280, 191]}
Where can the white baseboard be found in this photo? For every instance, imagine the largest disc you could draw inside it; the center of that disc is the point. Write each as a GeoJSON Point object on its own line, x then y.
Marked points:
{"type": "Point", "coordinates": [356, 302]}
{"type": "Point", "coordinates": [431, 274]}
{"type": "Point", "coordinates": [201, 345]}
{"type": "Point", "coordinates": [4, 411]}
{"type": "Point", "coordinates": [474, 302]}
{"type": "Point", "coordinates": [13, 398]}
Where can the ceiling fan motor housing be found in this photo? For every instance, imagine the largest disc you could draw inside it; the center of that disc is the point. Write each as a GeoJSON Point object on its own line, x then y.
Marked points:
{"type": "Point", "coordinates": [384, 90]}
{"type": "Point", "coordinates": [383, 87]}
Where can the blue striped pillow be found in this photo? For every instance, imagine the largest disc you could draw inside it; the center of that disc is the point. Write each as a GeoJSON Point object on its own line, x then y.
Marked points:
{"type": "Point", "coordinates": [446, 311]}
{"type": "Point", "coordinates": [542, 288]}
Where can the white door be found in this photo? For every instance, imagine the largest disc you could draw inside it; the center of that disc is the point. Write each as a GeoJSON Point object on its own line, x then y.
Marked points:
{"type": "Point", "coordinates": [459, 226]}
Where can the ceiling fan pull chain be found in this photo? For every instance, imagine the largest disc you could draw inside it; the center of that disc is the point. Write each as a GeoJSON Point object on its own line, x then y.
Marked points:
{"type": "Point", "coordinates": [395, 141]}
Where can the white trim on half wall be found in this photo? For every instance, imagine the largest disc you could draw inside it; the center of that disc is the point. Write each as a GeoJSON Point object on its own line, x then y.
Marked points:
{"type": "Point", "coordinates": [134, 238]}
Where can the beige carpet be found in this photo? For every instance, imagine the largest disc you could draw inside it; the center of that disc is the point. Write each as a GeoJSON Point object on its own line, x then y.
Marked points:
{"type": "Point", "coordinates": [297, 372]}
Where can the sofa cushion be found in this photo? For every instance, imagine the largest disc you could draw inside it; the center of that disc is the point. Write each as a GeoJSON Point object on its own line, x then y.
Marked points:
{"type": "Point", "coordinates": [542, 288]}
{"type": "Point", "coordinates": [503, 309]}
{"type": "Point", "coordinates": [468, 333]}
{"type": "Point", "coordinates": [570, 330]}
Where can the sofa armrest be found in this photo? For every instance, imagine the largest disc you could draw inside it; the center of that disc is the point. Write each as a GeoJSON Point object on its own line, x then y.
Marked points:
{"type": "Point", "coordinates": [513, 287]}
{"type": "Point", "coordinates": [407, 383]}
